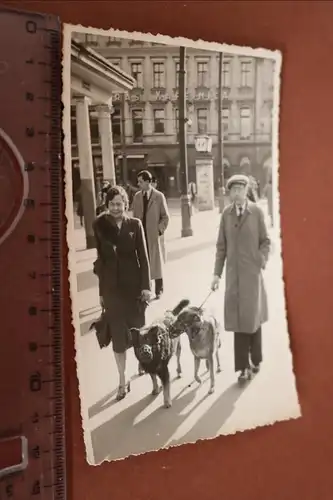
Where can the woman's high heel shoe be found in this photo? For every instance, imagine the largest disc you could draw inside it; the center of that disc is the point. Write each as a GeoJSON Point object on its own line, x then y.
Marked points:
{"type": "Point", "coordinates": [122, 391]}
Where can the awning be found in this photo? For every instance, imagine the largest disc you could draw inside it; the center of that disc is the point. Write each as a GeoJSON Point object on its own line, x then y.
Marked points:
{"type": "Point", "coordinates": [158, 158]}
{"type": "Point", "coordinates": [132, 157]}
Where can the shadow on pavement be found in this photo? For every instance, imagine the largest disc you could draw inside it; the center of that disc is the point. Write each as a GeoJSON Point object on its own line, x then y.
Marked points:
{"type": "Point", "coordinates": [185, 252]}
{"type": "Point", "coordinates": [210, 423]}
{"type": "Point", "coordinates": [122, 436]}
{"type": "Point", "coordinates": [103, 404]}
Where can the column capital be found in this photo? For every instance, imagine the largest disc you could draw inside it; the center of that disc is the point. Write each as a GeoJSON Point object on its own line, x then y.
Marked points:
{"type": "Point", "coordinates": [81, 99]}
{"type": "Point", "coordinates": [104, 110]}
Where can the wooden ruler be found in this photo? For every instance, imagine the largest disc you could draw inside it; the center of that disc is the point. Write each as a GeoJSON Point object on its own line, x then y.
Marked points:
{"type": "Point", "coordinates": [32, 443]}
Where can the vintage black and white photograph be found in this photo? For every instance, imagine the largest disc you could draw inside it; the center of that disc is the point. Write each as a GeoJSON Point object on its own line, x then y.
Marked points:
{"type": "Point", "coordinates": [175, 249]}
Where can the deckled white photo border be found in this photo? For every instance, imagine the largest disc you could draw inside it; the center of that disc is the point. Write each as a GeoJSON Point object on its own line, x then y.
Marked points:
{"type": "Point", "coordinates": [68, 31]}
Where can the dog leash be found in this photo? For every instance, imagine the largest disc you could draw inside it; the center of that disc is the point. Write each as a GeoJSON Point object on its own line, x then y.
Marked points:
{"type": "Point", "coordinates": [204, 302]}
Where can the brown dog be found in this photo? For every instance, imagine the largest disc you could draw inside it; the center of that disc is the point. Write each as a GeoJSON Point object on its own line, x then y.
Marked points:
{"type": "Point", "coordinates": [203, 331]}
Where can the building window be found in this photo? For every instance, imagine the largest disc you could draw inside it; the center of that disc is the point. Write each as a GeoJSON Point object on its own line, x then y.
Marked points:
{"type": "Point", "coordinates": [73, 132]}
{"type": "Point", "coordinates": [158, 75]}
{"type": "Point", "coordinates": [159, 119]}
{"type": "Point", "coordinates": [202, 120]}
{"type": "Point", "coordinates": [91, 39]}
{"type": "Point", "coordinates": [202, 74]}
{"type": "Point", "coordinates": [116, 125]}
{"type": "Point", "coordinates": [73, 126]}
{"type": "Point", "coordinates": [112, 40]}
{"type": "Point", "coordinates": [226, 74]}
{"type": "Point", "coordinates": [177, 123]}
{"type": "Point", "coordinates": [136, 70]}
{"type": "Point", "coordinates": [94, 131]}
{"type": "Point", "coordinates": [246, 74]}
{"type": "Point", "coordinates": [177, 120]}
{"type": "Point", "coordinates": [115, 62]}
{"type": "Point", "coordinates": [137, 124]}
{"type": "Point", "coordinates": [177, 74]}
{"type": "Point", "coordinates": [245, 123]}
{"type": "Point", "coordinates": [225, 121]}
{"type": "Point", "coordinates": [136, 42]}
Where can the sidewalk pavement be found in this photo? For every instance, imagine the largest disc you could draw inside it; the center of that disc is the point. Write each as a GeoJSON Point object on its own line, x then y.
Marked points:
{"type": "Point", "coordinates": [138, 423]}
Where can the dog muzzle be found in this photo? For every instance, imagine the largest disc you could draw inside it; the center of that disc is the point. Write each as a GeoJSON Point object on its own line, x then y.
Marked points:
{"type": "Point", "coordinates": [146, 353]}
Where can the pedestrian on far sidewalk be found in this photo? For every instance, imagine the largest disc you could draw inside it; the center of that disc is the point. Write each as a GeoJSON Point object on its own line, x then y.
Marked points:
{"type": "Point", "coordinates": [268, 192]}
{"type": "Point", "coordinates": [154, 184]}
{"type": "Point", "coordinates": [122, 268]}
{"type": "Point", "coordinates": [101, 207]}
{"type": "Point", "coordinates": [243, 243]}
{"type": "Point", "coordinates": [192, 192]}
{"type": "Point", "coordinates": [150, 206]}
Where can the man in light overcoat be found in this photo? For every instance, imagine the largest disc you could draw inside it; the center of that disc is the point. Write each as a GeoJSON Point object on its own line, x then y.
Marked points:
{"type": "Point", "coordinates": [243, 244]}
{"type": "Point", "coordinates": [150, 206]}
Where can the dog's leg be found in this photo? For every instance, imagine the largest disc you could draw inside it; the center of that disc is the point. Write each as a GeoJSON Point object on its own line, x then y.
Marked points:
{"type": "Point", "coordinates": [165, 379]}
{"type": "Point", "coordinates": [207, 365]}
{"type": "Point", "coordinates": [217, 355]}
{"type": "Point", "coordinates": [196, 369]}
{"type": "Point", "coordinates": [156, 388]}
{"type": "Point", "coordinates": [140, 370]}
{"type": "Point", "coordinates": [178, 353]}
{"type": "Point", "coordinates": [212, 374]}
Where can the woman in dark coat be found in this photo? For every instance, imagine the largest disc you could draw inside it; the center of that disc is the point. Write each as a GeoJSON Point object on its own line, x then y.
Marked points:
{"type": "Point", "coordinates": [123, 271]}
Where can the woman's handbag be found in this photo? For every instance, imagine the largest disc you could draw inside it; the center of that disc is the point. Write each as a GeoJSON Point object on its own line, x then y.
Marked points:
{"type": "Point", "coordinates": [102, 330]}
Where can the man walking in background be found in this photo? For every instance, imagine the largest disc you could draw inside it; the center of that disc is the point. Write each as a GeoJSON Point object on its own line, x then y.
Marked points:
{"type": "Point", "coordinates": [192, 192]}
{"type": "Point", "coordinates": [150, 206]}
{"type": "Point", "coordinates": [244, 244]}
{"type": "Point", "coordinates": [268, 192]}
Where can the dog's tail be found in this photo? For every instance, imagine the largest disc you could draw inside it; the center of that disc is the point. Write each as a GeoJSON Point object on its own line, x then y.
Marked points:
{"type": "Point", "coordinates": [179, 307]}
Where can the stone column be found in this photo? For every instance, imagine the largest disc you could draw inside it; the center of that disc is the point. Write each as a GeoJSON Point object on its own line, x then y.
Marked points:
{"type": "Point", "coordinates": [205, 182]}
{"type": "Point", "coordinates": [105, 132]}
{"type": "Point", "coordinates": [86, 168]}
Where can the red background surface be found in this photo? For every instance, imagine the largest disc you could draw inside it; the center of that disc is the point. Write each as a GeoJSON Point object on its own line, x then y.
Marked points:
{"type": "Point", "coordinates": [292, 460]}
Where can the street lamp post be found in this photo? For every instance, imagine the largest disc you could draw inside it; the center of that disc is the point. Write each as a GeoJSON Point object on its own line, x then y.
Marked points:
{"type": "Point", "coordinates": [185, 198]}
{"type": "Point", "coordinates": [124, 175]}
{"type": "Point", "coordinates": [220, 132]}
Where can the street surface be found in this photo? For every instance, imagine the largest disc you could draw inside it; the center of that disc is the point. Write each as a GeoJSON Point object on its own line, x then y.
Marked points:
{"type": "Point", "coordinates": [139, 423]}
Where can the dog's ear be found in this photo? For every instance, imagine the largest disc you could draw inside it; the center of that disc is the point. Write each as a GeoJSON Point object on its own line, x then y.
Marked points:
{"type": "Point", "coordinates": [134, 332]}
{"type": "Point", "coordinates": [153, 333]}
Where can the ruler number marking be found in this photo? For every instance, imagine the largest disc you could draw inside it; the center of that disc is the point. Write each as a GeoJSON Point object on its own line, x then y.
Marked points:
{"type": "Point", "coordinates": [33, 346]}
{"type": "Point", "coordinates": [32, 311]}
{"type": "Point", "coordinates": [10, 490]}
{"type": "Point", "coordinates": [31, 27]}
{"type": "Point", "coordinates": [30, 132]}
{"type": "Point", "coordinates": [31, 238]}
{"type": "Point", "coordinates": [29, 203]}
{"type": "Point", "coordinates": [35, 382]}
{"type": "Point", "coordinates": [35, 418]}
{"type": "Point", "coordinates": [36, 488]}
{"type": "Point", "coordinates": [35, 452]}
{"type": "Point", "coordinates": [30, 166]}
